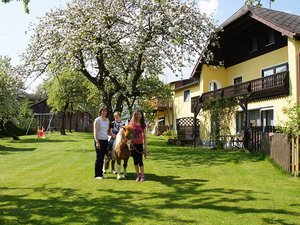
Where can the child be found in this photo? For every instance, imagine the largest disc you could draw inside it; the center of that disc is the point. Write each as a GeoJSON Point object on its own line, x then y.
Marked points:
{"type": "Point", "coordinates": [114, 128]}
{"type": "Point", "coordinates": [41, 132]}
{"type": "Point", "coordinates": [138, 122]}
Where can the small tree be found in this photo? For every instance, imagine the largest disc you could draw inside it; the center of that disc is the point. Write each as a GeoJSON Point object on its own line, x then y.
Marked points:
{"type": "Point", "coordinates": [291, 127]}
{"type": "Point", "coordinates": [68, 93]}
{"type": "Point", "coordinates": [10, 89]}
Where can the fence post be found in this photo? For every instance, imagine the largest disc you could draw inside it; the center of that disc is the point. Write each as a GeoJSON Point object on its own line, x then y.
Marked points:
{"type": "Point", "coordinates": [297, 156]}
{"type": "Point", "coordinates": [293, 155]}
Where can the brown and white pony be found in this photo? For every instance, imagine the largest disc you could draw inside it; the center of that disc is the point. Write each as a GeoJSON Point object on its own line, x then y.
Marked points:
{"type": "Point", "coordinates": [122, 147]}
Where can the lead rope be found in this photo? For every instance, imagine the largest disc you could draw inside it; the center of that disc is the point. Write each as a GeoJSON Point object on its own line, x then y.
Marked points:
{"type": "Point", "coordinates": [137, 150]}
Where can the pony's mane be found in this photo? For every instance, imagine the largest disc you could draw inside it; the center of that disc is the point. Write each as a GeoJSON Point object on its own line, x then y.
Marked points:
{"type": "Point", "coordinates": [118, 138]}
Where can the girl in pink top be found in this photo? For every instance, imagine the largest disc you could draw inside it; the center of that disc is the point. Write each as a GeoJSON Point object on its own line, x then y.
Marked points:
{"type": "Point", "coordinates": [138, 122]}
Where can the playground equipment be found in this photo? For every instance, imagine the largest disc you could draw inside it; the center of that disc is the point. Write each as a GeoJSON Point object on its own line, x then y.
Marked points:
{"type": "Point", "coordinates": [41, 118]}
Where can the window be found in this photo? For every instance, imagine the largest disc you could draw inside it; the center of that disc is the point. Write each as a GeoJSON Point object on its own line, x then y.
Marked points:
{"type": "Point", "coordinates": [260, 117]}
{"type": "Point", "coordinates": [237, 80]}
{"type": "Point", "coordinates": [239, 121]}
{"type": "Point", "coordinates": [213, 86]}
{"type": "Point", "coordinates": [270, 37]}
{"type": "Point", "coordinates": [186, 96]}
{"type": "Point", "coordinates": [253, 45]}
{"type": "Point", "coordinates": [267, 117]}
{"type": "Point", "coordinates": [254, 118]}
{"type": "Point", "coordinates": [275, 69]}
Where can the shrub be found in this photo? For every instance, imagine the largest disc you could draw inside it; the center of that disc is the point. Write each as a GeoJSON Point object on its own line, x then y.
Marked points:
{"type": "Point", "coordinates": [170, 134]}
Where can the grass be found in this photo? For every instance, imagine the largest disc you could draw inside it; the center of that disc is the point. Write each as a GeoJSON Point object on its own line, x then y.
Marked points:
{"type": "Point", "coordinates": [51, 182]}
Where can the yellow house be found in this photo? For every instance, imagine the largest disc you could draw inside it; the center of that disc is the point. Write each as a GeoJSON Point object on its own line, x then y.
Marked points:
{"type": "Point", "coordinates": [257, 64]}
{"type": "Point", "coordinates": [183, 92]}
{"type": "Point", "coordinates": [163, 116]}
{"type": "Point", "coordinates": [167, 112]}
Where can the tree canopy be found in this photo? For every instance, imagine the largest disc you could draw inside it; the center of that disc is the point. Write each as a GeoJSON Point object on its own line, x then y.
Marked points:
{"type": "Point", "coordinates": [256, 2]}
{"type": "Point", "coordinates": [120, 44]}
{"type": "Point", "coordinates": [25, 2]}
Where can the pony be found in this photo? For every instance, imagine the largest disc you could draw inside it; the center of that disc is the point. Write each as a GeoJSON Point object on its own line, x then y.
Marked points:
{"type": "Point", "coordinates": [122, 147]}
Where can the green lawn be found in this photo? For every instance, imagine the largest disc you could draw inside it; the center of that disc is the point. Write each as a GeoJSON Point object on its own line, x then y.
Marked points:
{"type": "Point", "coordinates": [51, 182]}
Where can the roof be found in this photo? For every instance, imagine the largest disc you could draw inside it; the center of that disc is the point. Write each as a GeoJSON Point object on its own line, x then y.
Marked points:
{"type": "Point", "coordinates": [181, 84]}
{"type": "Point", "coordinates": [39, 102]}
{"type": "Point", "coordinates": [286, 23]}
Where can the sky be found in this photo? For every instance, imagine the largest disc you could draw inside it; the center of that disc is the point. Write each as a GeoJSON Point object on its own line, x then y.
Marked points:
{"type": "Point", "coordinates": [14, 23]}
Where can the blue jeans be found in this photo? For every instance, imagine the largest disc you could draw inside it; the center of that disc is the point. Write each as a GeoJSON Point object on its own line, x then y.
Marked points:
{"type": "Point", "coordinates": [100, 153]}
{"type": "Point", "coordinates": [110, 144]}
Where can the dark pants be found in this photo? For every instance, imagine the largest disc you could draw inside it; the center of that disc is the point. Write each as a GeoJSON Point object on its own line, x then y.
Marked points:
{"type": "Point", "coordinates": [100, 153]}
{"type": "Point", "coordinates": [137, 154]}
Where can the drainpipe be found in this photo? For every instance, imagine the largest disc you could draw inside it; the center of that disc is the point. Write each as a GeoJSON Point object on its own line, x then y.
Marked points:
{"type": "Point", "coordinates": [297, 139]}
{"type": "Point", "coordinates": [298, 79]}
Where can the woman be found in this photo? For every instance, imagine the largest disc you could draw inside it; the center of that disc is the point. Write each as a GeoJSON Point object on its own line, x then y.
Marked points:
{"type": "Point", "coordinates": [101, 128]}
{"type": "Point", "coordinates": [140, 143]}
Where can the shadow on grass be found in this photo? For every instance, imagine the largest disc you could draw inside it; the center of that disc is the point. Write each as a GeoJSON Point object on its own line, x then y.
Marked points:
{"type": "Point", "coordinates": [6, 150]}
{"type": "Point", "coordinates": [37, 140]}
{"type": "Point", "coordinates": [114, 207]}
{"type": "Point", "coordinates": [170, 181]}
{"type": "Point", "coordinates": [188, 156]}
{"type": "Point", "coordinates": [70, 206]}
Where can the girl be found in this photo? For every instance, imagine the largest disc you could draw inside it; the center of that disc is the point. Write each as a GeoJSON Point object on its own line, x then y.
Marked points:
{"type": "Point", "coordinates": [101, 127]}
{"type": "Point", "coordinates": [138, 122]}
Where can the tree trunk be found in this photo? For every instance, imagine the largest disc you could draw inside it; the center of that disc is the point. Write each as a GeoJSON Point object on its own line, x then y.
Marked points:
{"type": "Point", "coordinates": [62, 127]}
{"type": "Point", "coordinates": [70, 115]}
{"type": "Point", "coordinates": [76, 123]}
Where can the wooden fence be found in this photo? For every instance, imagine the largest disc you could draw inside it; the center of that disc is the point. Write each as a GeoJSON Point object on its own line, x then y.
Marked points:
{"type": "Point", "coordinates": [278, 146]}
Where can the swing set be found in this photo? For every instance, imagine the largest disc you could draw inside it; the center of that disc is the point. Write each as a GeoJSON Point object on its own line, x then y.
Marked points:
{"type": "Point", "coordinates": [41, 132]}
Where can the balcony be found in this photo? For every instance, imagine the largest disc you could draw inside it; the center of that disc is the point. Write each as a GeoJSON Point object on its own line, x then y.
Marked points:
{"type": "Point", "coordinates": [260, 89]}
{"type": "Point", "coordinates": [158, 105]}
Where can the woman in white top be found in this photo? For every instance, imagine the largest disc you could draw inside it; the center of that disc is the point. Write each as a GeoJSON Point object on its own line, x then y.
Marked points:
{"type": "Point", "coordinates": [101, 128]}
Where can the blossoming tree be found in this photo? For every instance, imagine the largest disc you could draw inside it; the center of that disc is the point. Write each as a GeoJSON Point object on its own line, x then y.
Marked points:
{"type": "Point", "coordinates": [120, 44]}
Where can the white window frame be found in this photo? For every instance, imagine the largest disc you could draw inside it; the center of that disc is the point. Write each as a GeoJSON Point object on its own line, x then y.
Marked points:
{"type": "Point", "coordinates": [216, 82]}
{"type": "Point", "coordinates": [273, 67]}
{"type": "Point", "coordinates": [186, 98]}
{"type": "Point", "coordinates": [240, 76]}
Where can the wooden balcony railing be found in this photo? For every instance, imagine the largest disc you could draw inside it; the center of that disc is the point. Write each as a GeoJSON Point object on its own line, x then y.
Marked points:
{"type": "Point", "coordinates": [259, 89]}
{"type": "Point", "coordinates": [161, 105]}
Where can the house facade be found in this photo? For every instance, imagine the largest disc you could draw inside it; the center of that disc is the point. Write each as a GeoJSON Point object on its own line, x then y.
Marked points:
{"type": "Point", "coordinates": [257, 64]}
{"type": "Point", "coordinates": [167, 112]}
{"type": "Point", "coordinates": [183, 92]}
